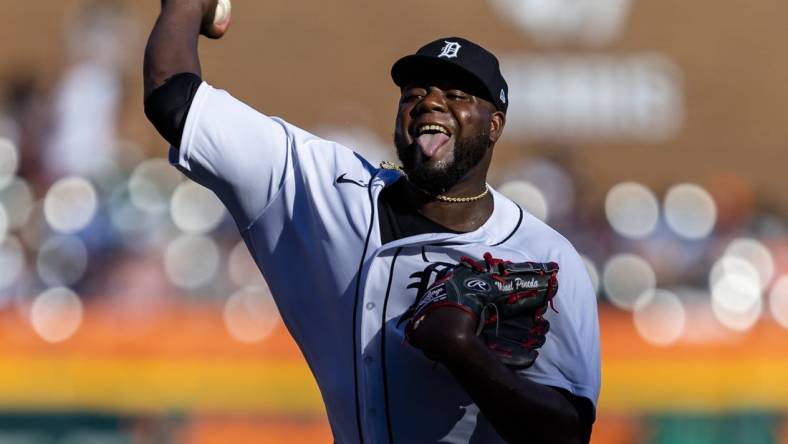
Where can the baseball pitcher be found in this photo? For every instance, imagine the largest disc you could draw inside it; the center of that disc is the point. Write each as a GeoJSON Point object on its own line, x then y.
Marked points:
{"type": "Point", "coordinates": [430, 308]}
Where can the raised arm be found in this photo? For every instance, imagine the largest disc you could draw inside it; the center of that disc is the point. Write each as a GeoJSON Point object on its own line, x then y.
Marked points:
{"type": "Point", "coordinates": [172, 45]}
{"type": "Point", "coordinates": [171, 68]}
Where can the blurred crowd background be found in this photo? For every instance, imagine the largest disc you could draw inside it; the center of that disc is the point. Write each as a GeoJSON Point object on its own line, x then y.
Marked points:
{"type": "Point", "coordinates": [649, 132]}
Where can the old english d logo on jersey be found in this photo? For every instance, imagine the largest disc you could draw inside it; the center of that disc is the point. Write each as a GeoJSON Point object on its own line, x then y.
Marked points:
{"type": "Point", "coordinates": [422, 280]}
{"type": "Point", "coordinates": [450, 50]}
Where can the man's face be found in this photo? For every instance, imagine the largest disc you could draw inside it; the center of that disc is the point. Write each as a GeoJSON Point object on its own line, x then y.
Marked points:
{"type": "Point", "coordinates": [443, 131]}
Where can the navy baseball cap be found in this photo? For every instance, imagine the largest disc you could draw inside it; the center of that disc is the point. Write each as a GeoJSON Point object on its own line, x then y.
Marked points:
{"type": "Point", "coordinates": [460, 54]}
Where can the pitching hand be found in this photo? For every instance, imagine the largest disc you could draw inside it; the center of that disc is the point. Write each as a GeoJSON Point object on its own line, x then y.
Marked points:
{"type": "Point", "coordinates": [215, 18]}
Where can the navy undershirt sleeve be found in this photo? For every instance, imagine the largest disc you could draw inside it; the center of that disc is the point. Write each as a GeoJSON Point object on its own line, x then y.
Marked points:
{"type": "Point", "coordinates": [168, 105]}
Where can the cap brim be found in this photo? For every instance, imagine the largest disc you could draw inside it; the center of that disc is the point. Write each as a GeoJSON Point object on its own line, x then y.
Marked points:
{"type": "Point", "coordinates": [417, 66]}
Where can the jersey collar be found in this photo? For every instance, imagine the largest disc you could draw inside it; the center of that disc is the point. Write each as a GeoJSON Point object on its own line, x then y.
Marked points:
{"type": "Point", "coordinates": [505, 219]}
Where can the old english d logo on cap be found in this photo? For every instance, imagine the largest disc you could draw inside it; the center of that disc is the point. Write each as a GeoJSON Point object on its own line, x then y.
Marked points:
{"type": "Point", "coordinates": [450, 50]}
{"type": "Point", "coordinates": [450, 56]}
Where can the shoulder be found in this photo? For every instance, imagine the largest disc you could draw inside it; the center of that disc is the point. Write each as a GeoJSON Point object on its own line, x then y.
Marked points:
{"type": "Point", "coordinates": [533, 236]}
{"type": "Point", "coordinates": [537, 241]}
{"type": "Point", "coordinates": [543, 238]}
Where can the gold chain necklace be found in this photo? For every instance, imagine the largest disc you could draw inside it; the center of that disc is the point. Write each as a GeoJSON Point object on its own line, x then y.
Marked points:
{"type": "Point", "coordinates": [390, 166]}
{"type": "Point", "coordinates": [443, 198]}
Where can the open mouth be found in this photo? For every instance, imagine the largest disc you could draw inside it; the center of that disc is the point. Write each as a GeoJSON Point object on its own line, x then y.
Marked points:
{"type": "Point", "coordinates": [430, 137]}
{"type": "Point", "coordinates": [432, 128]}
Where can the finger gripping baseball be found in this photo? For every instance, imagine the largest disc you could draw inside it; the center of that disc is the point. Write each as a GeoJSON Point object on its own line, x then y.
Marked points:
{"type": "Point", "coordinates": [506, 300]}
{"type": "Point", "coordinates": [216, 18]}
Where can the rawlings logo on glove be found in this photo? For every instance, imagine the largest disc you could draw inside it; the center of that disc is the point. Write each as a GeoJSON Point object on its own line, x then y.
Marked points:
{"type": "Point", "coordinates": [506, 300]}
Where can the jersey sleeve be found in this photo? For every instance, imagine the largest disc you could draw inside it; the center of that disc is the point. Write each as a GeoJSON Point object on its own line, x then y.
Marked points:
{"type": "Point", "coordinates": [236, 151]}
{"type": "Point", "coordinates": [250, 161]}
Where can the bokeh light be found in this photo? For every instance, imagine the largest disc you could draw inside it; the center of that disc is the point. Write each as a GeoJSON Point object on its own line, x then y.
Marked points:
{"type": "Point", "coordinates": [3, 222]}
{"type": "Point", "coordinates": [195, 209]}
{"type": "Point", "coordinates": [632, 210]}
{"type": "Point", "coordinates": [737, 320]}
{"type": "Point", "coordinates": [593, 272]}
{"type": "Point", "coordinates": [553, 181]}
{"type": "Point", "coordinates": [9, 161]}
{"type": "Point", "coordinates": [250, 314]}
{"type": "Point", "coordinates": [241, 268]}
{"type": "Point", "coordinates": [778, 301]}
{"type": "Point", "coordinates": [124, 215]}
{"type": "Point", "coordinates": [62, 261]}
{"type": "Point", "coordinates": [756, 253]}
{"type": "Point", "coordinates": [111, 175]}
{"type": "Point", "coordinates": [152, 183]}
{"type": "Point", "coordinates": [690, 211]}
{"type": "Point", "coordinates": [735, 294]}
{"type": "Point", "coordinates": [732, 265]}
{"type": "Point", "coordinates": [625, 278]}
{"type": "Point", "coordinates": [36, 230]}
{"type": "Point", "coordinates": [12, 261]}
{"type": "Point", "coordinates": [191, 261]}
{"type": "Point", "coordinates": [56, 314]}
{"type": "Point", "coordinates": [702, 326]}
{"type": "Point", "coordinates": [527, 196]}
{"type": "Point", "coordinates": [17, 197]}
{"type": "Point", "coordinates": [70, 204]}
{"type": "Point", "coordinates": [659, 317]}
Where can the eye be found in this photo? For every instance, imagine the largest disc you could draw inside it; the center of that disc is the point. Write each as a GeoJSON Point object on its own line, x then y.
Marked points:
{"type": "Point", "coordinates": [456, 95]}
{"type": "Point", "coordinates": [412, 94]}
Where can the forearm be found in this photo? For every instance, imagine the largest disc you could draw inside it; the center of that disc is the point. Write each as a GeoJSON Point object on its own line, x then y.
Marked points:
{"type": "Point", "coordinates": [172, 45]}
{"type": "Point", "coordinates": [519, 409]}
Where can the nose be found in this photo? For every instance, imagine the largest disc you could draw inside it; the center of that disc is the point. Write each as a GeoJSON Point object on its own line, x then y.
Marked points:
{"type": "Point", "coordinates": [434, 101]}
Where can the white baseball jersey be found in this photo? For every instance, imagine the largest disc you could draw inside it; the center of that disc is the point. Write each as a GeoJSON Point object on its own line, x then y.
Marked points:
{"type": "Point", "coordinates": [307, 210]}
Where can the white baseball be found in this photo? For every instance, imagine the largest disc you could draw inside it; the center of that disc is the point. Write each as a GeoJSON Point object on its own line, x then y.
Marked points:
{"type": "Point", "coordinates": [222, 11]}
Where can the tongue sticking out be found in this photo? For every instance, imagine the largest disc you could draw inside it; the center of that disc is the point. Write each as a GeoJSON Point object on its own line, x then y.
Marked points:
{"type": "Point", "coordinates": [429, 143]}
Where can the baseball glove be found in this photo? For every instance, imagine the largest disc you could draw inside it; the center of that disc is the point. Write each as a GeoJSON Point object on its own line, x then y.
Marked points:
{"type": "Point", "coordinates": [506, 300]}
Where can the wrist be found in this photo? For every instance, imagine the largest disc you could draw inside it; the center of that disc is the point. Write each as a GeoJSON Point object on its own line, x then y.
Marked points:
{"type": "Point", "coordinates": [186, 5]}
{"type": "Point", "coordinates": [184, 12]}
{"type": "Point", "coordinates": [195, 16]}
{"type": "Point", "coordinates": [196, 11]}
{"type": "Point", "coordinates": [445, 333]}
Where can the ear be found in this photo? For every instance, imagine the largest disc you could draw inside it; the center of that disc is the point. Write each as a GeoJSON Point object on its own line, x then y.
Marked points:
{"type": "Point", "coordinates": [497, 122]}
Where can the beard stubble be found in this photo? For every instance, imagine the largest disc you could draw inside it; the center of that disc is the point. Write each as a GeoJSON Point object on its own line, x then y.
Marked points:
{"type": "Point", "coordinates": [468, 152]}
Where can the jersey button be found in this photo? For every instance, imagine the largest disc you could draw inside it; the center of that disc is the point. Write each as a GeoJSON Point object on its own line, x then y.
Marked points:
{"type": "Point", "coordinates": [368, 359]}
{"type": "Point", "coordinates": [370, 305]}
